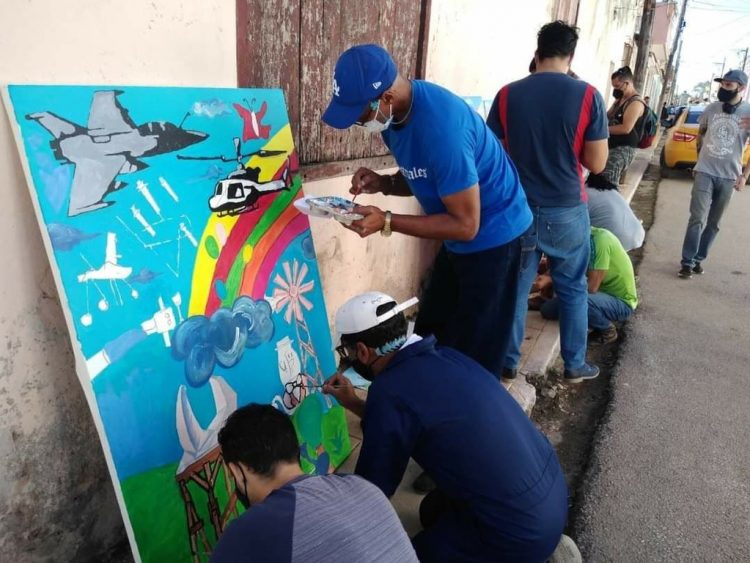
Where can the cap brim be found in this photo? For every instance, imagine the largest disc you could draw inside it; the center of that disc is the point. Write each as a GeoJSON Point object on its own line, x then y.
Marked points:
{"type": "Point", "coordinates": [729, 80]}
{"type": "Point", "coordinates": [397, 309]}
{"type": "Point", "coordinates": [341, 116]}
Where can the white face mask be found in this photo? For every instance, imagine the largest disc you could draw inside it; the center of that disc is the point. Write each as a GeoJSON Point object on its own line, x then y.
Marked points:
{"type": "Point", "coordinates": [375, 126]}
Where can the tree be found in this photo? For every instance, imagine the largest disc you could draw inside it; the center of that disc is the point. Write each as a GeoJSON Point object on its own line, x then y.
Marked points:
{"type": "Point", "coordinates": [702, 90]}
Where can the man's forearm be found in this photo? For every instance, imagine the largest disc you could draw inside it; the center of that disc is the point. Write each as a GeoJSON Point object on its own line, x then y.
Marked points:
{"type": "Point", "coordinates": [356, 406]}
{"type": "Point", "coordinates": [442, 226]}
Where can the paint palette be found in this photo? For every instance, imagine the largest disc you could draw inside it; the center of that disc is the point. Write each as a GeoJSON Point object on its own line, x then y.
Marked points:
{"type": "Point", "coordinates": [339, 208]}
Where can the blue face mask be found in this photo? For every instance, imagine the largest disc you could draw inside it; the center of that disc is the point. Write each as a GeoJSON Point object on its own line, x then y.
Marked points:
{"type": "Point", "coordinates": [375, 126]}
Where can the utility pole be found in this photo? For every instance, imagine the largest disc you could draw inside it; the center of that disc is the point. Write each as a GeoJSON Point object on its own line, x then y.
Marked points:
{"type": "Point", "coordinates": [644, 43]}
{"type": "Point", "coordinates": [671, 74]}
{"type": "Point", "coordinates": [676, 72]}
{"type": "Point", "coordinates": [744, 69]}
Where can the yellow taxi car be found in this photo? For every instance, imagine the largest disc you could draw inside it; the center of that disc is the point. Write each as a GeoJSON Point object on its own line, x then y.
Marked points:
{"type": "Point", "coordinates": [680, 150]}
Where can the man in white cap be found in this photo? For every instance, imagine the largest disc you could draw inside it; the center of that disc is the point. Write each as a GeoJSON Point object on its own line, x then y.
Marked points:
{"type": "Point", "coordinates": [722, 136]}
{"type": "Point", "coordinates": [501, 494]}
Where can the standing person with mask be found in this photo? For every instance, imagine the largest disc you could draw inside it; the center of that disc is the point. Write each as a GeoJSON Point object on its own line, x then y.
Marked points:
{"type": "Point", "coordinates": [469, 189]}
{"type": "Point", "coordinates": [294, 517]}
{"type": "Point", "coordinates": [625, 129]}
{"type": "Point", "coordinates": [550, 139]}
{"type": "Point", "coordinates": [722, 135]}
{"type": "Point", "coordinates": [501, 494]}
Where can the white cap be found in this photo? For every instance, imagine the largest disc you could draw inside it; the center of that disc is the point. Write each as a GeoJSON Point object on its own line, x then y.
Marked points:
{"type": "Point", "coordinates": [360, 312]}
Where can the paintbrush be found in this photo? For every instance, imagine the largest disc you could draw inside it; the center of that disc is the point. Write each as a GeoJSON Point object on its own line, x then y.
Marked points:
{"type": "Point", "coordinates": [316, 386]}
{"type": "Point", "coordinates": [360, 387]}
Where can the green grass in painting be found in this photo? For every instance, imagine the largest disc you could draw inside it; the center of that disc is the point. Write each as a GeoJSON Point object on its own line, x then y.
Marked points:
{"type": "Point", "coordinates": [158, 516]}
{"type": "Point", "coordinates": [155, 506]}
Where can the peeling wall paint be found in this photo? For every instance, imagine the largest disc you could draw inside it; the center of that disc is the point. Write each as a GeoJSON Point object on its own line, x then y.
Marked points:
{"type": "Point", "coordinates": [56, 497]}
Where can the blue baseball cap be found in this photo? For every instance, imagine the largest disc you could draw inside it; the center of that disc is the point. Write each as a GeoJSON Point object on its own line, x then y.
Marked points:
{"type": "Point", "coordinates": [734, 76]}
{"type": "Point", "coordinates": [361, 75]}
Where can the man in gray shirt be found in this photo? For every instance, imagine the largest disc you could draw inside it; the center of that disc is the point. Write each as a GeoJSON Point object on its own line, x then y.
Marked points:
{"type": "Point", "coordinates": [721, 140]}
{"type": "Point", "coordinates": [609, 210]}
{"type": "Point", "coordinates": [293, 517]}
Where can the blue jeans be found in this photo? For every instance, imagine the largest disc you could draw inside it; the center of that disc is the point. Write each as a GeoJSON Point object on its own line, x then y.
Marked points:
{"type": "Point", "coordinates": [708, 201]}
{"type": "Point", "coordinates": [469, 302]}
{"type": "Point", "coordinates": [603, 310]}
{"type": "Point", "coordinates": [563, 234]}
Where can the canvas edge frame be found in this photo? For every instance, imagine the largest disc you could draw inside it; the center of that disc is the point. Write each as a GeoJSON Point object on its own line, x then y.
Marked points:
{"type": "Point", "coordinates": [80, 362]}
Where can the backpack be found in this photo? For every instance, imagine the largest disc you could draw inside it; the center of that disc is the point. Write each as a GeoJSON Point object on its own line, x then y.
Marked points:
{"type": "Point", "coordinates": [648, 127]}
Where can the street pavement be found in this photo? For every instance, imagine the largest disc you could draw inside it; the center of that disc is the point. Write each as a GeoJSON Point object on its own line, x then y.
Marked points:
{"type": "Point", "coordinates": [669, 478]}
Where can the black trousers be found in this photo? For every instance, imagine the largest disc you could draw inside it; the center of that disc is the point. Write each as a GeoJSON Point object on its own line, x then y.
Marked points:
{"type": "Point", "coordinates": [470, 300]}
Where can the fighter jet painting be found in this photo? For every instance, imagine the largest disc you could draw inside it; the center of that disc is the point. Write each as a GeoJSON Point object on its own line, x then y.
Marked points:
{"type": "Point", "coordinates": [110, 145]}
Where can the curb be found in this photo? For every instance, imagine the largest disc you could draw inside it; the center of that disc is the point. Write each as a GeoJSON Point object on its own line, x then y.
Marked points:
{"type": "Point", "coordinates": [542, 337]}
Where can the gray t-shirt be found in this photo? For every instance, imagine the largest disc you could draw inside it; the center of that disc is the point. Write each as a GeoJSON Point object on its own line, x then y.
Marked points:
{"type": "Point", "coordinates": [340, 518]}
{"type": "Point", "coordinates": [609, 210]}
{"type": "Point", "coordinates": [724, 140]}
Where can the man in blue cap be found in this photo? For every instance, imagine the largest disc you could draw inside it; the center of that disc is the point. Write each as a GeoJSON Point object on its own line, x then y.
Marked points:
{"type": "Point", "coordinates": [470, 191]}
{"type": "Point", "coordinates": [722, 136]}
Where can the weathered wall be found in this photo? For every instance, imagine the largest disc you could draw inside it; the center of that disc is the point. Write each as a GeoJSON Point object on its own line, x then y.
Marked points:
{"type": "Point", "coordinates": [351, 265]}
{"type": "Point", "coordinates": [606, 27]}
{"type": "Point", "coordinates": [476, 46]}
{"type": "Point", "coordinates": [56, 500]}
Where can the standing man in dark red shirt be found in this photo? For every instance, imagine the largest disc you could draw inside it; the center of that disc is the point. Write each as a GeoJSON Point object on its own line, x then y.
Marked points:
{"type": "Point", "coordinates": [553, 126]}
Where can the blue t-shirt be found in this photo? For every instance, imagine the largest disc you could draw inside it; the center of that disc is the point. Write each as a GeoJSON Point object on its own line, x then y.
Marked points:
{"type": "Point", "coordinates": [444, 149]}
{"type": "Point", "coordinates": [466, 431]}
{"type": "Point", "coordinates": [317, 518]}
{"type": "Point", "coordinates": [544, 120]}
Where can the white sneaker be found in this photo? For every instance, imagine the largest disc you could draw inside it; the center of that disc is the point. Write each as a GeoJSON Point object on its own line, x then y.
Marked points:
{"type": "Point", "coordinates": [566, 552]}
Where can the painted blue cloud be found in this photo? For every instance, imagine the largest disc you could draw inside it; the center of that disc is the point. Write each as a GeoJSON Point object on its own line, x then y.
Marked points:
{"type": "Point", "coordinates": [203, 342]}
{"type": "Point", "coordinates": [65, 237]}
{"type": "Point", "coordinates": [56, 181]}
{"type": "Point", "coordinates": [210, 108]}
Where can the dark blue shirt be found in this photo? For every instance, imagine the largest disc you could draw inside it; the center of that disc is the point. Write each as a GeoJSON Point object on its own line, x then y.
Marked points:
{"type": "Point", "coordinates": [444, 149]}
{"type": "Point", "coordinates": [544, 120]}
{"type": "Point", "coordinates": [465, 430]}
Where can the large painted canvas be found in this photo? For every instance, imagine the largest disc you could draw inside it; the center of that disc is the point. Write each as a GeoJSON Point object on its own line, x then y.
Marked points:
{"type": "Point", "coordinates": [190, 285]}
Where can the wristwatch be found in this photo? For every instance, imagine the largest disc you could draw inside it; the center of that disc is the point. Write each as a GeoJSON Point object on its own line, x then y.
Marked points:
{"type": "Point", "coordinates": [386, 230]}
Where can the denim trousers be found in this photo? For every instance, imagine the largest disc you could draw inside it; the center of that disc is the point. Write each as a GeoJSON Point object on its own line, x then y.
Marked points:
{"type": "Point", "coordinates": [469, 301]}
{"type": "Point", "coordinates": [709, 199]}
{"type": "Point", "coordinates": [603, 310]}
{"type": "Point", "coordinates": [563, 234]}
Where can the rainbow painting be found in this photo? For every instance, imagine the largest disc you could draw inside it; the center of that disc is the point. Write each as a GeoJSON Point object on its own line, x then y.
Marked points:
{"type": "Point", "coordinates": [190, 285]}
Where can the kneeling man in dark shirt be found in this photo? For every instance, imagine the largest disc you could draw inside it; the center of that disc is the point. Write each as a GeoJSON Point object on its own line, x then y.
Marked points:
{"type": "Point", "coordinates": [501, 494]}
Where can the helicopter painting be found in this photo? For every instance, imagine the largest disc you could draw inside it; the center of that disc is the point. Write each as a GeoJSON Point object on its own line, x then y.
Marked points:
{"type": "Point", "coordinates": [240, 191]}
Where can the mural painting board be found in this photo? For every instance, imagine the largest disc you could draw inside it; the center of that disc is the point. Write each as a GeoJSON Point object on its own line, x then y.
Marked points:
{"type": "Point", "coordinates": [189, 283]}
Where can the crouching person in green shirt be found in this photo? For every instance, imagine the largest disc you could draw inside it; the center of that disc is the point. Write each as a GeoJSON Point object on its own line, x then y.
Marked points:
{"type": "Point", "coordinates": [611, 280]}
